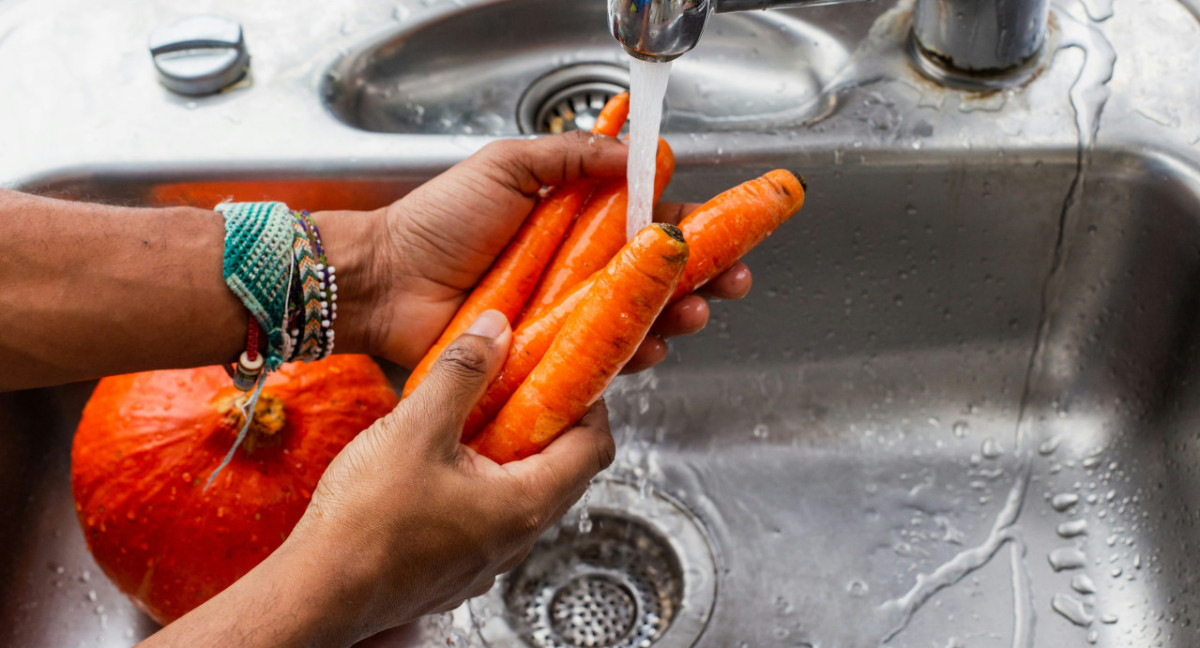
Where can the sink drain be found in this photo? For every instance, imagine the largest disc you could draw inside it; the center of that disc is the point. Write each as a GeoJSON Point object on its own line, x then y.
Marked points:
{"type": "Point", "coordinates": [570, 98]}
{"type": "Point", "coordinates": [617, 586]}
{"type": "Point", "coordinates": [643, 576]}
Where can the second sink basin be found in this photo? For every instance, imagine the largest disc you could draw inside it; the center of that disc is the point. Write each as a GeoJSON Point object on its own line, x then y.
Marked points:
{"type": "Point", "coordinates": [751, 71]}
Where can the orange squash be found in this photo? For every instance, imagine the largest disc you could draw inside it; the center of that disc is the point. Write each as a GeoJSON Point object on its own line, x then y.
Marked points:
{"type": "Point", "coordinates": [148, 442]}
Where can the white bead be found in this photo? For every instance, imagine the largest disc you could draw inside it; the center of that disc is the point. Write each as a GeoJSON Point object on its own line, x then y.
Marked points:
{"type": "Point", "coordinates": [320, 267]}
{"type": "Point", "coordinates": [333, 287]}
{"type": "Point", "coordinates": [325, 323]}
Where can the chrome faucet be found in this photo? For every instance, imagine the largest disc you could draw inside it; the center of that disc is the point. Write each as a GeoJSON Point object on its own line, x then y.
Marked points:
{"type": "Point", "coordinates": [663, 30]}
{"type": "Point", "coordinates": [960, 37]}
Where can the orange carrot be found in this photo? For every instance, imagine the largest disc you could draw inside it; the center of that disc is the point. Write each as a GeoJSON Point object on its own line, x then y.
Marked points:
{"type": "Point", "coordinates": [513, 277]}
{"type": "Point", "coordinates": [718, 233]}
{"type": "Point", "coordinates": [530, 340]}
{"type": "Point", "coordinates": [612, 117]}
{"type": "Point", "coordinates": [724, 229]}
{"type": "Point", "coordinates": [596, 235]}
{"type": "Point", "coordinates": [597, 339]}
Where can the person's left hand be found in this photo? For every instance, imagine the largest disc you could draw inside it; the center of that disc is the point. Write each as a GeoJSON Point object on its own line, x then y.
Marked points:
{"type": "Point", "coordinates": [434, 245]}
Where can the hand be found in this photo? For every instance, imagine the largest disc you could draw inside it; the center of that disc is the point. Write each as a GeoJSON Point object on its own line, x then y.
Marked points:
{"type": "Point", "coordinates": [415, 521]}
{"type": "Point", "coordinates": [434, 245]}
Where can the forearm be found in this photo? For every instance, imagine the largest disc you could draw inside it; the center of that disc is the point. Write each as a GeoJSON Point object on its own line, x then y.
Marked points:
{"type": "Point", "coordinates": [294, 598]}
{"type": "Point", "coordinates": [92, 290]}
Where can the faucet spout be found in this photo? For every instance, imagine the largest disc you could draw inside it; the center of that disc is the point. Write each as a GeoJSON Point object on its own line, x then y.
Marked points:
{"type": "Point", "coordinates": [664, 30]}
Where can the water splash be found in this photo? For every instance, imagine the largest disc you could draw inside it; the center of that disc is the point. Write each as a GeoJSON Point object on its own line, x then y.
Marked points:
{"type": "Point", "coordinates": [585, 516]}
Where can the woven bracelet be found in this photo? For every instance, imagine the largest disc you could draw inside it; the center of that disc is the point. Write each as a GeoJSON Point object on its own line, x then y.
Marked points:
{"type": "Point", "coordinates": [259, 266]}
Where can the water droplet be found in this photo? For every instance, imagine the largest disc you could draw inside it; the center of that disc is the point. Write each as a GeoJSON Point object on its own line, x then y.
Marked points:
{"type": "Point", "coordinates": [1083, 584]}
{"type": "Point", "coordinates": [1066, 558]}
{"type": "Point", "coordinates": [960, 428]}
{"type": "Point", "coordinates": [84, 576]}
{"type": "Point", "coordinates": [1063, 501]}
{"type": "Point", "coordinates": [1091, 462]}
{"type": "Point", "coordinates": [1072, 528]}
{"type": "Point", "coordinates": [761, 431]}
{"type": "Point", "coordinates": [585, 517]}
{"type": "Point", "coordinates": [990, 449]}
{"type": "Point", "coordinates": [1092, 636]}
{"type": "Point", "coordinates": [1109, 619]}
{"type": "Point", "coordinates": [1071, 609]}
{"type": "Point", "coordinates": [91, 596]}
{"type": "Point", "coordinates": [1049, 445]}
{"type": "Point", "coordinates": [857, 588]}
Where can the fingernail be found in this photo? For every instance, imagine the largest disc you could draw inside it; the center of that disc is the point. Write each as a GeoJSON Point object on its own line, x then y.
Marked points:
{"type": "Point", "coordinates": [489, 324]}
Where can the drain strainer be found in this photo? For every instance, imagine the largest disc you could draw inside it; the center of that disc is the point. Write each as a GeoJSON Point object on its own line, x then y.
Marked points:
{"type": "Point", "coordinates": [617, 586]}
{"type": "Point", "coordinates": [591, 610]}
{"type": "Point", "coordinates": [643, 576]}
{"type": "Point", "coordinates": [570, 98]}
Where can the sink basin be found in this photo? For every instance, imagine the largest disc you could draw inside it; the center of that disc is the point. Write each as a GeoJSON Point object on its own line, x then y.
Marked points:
{"type": "Point", "coordinates": [875, 433]}
{"type": "Point", "coordinates": [751, 71]}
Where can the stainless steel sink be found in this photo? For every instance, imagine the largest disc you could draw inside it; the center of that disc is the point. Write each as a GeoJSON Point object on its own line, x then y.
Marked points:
{"type": "Point", "coordinates": [959, 408]}
{"type": "Point", "coordinates": [770, 66]}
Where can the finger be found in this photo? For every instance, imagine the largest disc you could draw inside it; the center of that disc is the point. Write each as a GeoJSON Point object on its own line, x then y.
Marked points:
{"type": "Point", "coordinates": [687, 316]}
{"type": "Point", "coordinates": [673, 212]}
{"type": "Point", "coordinates": [652, 351]}
{"type": "Point", "coordinates": [566, 466]}
{"type": "Point", "coordinates": [734, 283]}
{"type": "Point", "coordinates": [528, 165]}
{"type": "Point", "coordinates": [458, 377]}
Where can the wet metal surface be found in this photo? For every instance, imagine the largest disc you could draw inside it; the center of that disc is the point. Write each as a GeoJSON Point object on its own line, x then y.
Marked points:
{"type": "Point", "coordinates": [958, 409]}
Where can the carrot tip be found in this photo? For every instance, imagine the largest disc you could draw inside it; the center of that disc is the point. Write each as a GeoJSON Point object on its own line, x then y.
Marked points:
{"type": "Point", "coordinates": [672, 231]}
{"type": "Point", "coordinates": [803, 182]}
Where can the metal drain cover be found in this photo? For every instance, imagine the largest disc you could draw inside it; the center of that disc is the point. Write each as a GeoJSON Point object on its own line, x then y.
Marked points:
{"type": "Point", "coordinates": [593, 610]}
{"type": "Point", "coordinates": [570, 98]}
{"type": "Point", "coordinates": [643, 576]}
{"type": "Point", "coordinates": [617, 586]}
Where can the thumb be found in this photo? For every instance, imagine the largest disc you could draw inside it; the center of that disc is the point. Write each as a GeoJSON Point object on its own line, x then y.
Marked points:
{"type": "Point", "coordinates": [459, 376]}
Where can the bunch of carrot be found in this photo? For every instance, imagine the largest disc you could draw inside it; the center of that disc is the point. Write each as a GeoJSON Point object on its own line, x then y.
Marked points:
{"type": "Point", "coordinates": [581, 299]}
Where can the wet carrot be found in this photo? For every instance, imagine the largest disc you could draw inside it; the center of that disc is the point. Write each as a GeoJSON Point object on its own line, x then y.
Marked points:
{"type": "Point", "coordinates": [718, 233]}
{"type": "Point", "coordinates": [596, 235]}
{"type": "Point", "coordinates": [724, 229]}
{"type": "Point", "coordinates": [513, 277]}
{"type": "Point", "coordinates": [530, 340]}
{"type": "Point", "coordinates": [595, 341]}
{"type": "Point", "coordinates": [612, 117]}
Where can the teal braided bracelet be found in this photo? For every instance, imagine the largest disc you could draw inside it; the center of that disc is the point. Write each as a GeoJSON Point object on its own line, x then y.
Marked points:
{"type": "Point", "coordinates": [259, 266]}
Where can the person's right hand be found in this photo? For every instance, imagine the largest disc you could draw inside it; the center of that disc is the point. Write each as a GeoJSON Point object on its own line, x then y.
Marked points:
{"type": "Point", "coordinates": [414, 521]}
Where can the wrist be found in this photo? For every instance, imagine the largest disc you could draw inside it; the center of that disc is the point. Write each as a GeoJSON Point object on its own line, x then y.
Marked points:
{"type": "Point", "coordinates": [348, 238]}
